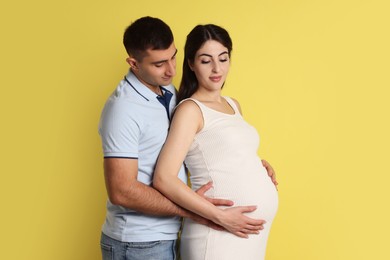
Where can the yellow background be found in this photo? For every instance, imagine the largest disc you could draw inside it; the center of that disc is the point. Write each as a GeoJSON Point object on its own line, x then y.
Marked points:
{"type": "Point", "coordinates": [312, 76]}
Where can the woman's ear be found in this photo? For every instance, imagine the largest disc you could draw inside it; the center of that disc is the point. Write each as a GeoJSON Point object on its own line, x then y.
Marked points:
{"type": "Point", "coordinates": [190, 65]}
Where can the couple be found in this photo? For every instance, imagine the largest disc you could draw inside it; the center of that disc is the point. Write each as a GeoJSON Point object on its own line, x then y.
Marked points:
{"type": "Point", "coordinates": [143, 164]}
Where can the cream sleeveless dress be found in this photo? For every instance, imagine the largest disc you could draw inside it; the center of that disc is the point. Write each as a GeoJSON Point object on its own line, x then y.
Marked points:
{"type": "Point", "coordinates": [225, 152]}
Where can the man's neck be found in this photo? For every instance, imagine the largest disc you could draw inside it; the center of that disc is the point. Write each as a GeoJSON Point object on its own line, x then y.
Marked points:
{"type": "Point", "coordinates": [156, 89]}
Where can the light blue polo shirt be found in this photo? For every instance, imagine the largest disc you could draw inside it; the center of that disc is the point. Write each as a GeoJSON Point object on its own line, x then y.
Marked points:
{"type": "Point", "coordinates": [134, 124]}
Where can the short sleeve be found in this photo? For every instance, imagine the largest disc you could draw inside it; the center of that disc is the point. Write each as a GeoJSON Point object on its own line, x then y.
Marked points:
{"type": "Point", "coordinates": [119, 129]}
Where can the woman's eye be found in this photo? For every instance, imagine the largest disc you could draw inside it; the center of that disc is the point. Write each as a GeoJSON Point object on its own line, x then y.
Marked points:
{"type": "Point", "coordinates": [223, 60]}
{"type": "Point", "coordinates": [205, 61]}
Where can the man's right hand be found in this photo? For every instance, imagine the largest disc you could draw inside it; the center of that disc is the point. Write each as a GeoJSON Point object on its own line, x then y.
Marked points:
{"type": "Point", "coordinates": [234, 219]}
{"type": "Point", "coordinates": [203, 221]}
{"type": "Point", "coordinates": [217, 202]}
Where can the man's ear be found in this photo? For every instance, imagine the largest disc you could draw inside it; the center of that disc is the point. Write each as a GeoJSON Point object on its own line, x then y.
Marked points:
{"type": "Point", "coordinates": [132, 62]}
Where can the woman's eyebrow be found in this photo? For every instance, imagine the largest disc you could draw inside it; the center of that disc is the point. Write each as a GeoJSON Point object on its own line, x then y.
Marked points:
{"type": "Point", "coordinates": [208, 55]}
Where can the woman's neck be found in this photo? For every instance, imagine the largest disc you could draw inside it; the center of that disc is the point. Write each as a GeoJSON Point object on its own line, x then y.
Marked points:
{"type": "Point", "coordinates": [208, 96]}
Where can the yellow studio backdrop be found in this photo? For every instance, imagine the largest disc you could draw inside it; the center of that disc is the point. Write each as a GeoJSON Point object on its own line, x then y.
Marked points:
{"type": "Point", "coordinates": [311, 76]}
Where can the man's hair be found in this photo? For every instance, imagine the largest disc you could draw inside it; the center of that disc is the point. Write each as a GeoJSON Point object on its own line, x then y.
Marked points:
{"type": "Point", "coordinates": [147, 33]}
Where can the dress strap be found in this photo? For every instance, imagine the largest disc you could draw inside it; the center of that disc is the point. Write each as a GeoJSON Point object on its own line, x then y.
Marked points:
{"type": "Point", "coordinates": [200, 105]}
{"type": "Point", "coordinates": [233, 105]}
{"type": "Point", "coordinates": [202, 108]}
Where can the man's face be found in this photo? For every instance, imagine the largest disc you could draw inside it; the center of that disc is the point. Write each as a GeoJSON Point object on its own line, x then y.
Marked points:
{"type": "Point", "coordinates": [157, 68]}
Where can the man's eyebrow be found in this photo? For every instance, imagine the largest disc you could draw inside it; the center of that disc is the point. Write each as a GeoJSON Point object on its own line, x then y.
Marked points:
{"type": "Point", "coordinates": [162, 61]}
{"type": "Point", "coordinates": [174, 54]}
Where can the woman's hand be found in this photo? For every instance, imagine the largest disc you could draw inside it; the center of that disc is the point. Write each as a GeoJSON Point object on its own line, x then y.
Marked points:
{"type": "Point", "coordinates": [234, 221]}
{"type": "Point", "coordinates": [270, 171]}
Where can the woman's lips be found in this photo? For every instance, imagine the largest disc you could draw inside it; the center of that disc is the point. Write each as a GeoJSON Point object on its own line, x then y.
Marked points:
{"type": "Point", "coordinates": [215, 78]}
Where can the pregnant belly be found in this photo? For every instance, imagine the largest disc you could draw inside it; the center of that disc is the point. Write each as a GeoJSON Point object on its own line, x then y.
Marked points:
{"type": "Point", "coordinates": [251, 186]}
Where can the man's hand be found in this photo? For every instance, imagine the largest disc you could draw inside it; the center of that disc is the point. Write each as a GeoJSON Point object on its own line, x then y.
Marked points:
{"type": "Point", "coordinates": [203, 221]}
{"type": "Point", "coordinates": [235, 221]}
{"type": "Point", "coordinates": [270, 171]}
{"type": "Point", "coordinates": [217, 202]}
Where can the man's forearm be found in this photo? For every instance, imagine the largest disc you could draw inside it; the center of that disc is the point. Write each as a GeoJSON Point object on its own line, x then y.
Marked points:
{"type": "Point", "coordinates": [145, 199]}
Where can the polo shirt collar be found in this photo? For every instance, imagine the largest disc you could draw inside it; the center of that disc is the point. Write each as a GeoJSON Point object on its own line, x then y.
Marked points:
{"type": "Point", "coordinates": [140, 88]}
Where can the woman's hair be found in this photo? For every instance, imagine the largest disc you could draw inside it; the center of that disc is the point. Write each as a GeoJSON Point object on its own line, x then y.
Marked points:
{"type": "Point", "coordinates": [147, 33]}
{"type": "Point", "coordinates": [195, 40]}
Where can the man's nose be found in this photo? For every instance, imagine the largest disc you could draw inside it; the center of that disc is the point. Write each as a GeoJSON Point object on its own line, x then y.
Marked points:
{"type": "Point", "coordinates": [171, 68]}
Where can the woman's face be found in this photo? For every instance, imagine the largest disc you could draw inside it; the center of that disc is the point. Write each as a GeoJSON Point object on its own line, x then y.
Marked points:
{"type": "Point", "coordinates": [211, 65]}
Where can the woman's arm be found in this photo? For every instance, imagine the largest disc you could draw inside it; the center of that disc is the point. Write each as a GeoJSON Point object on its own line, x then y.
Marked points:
{"type": "Point", "coordinates": [187, 121]}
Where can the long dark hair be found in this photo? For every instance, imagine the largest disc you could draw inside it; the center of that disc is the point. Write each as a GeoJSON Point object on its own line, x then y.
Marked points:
{"type": "Point", "coordinates": [195, 40]}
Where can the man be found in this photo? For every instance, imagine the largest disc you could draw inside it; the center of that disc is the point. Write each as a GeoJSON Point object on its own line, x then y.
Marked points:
{"type": "Point", "coordinates": [141, 223]}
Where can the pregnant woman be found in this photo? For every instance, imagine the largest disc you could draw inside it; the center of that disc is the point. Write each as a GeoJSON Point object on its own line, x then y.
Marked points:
{"type": "Point", "coordinates": [210, 135]}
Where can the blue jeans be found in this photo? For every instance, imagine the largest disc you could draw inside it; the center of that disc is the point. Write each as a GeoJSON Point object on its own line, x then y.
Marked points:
{"type": "Point", "coordinates": [155, 250]}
